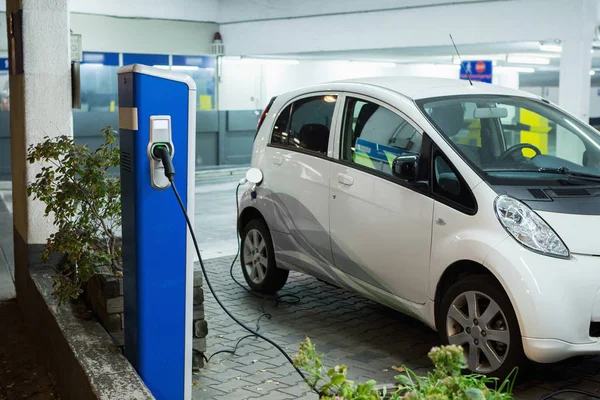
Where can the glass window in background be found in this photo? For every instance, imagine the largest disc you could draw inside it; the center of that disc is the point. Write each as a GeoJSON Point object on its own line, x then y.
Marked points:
{"type": "Point", "coordinates": [202, 71]}
{"type": "Point", "coordinates": [99, 81]}
{"type": "Point", "coordinates": [4, 89]}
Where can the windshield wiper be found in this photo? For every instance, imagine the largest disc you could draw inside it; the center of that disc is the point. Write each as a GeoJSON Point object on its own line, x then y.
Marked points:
{"type": "Point", "coordinates": [546, 170]}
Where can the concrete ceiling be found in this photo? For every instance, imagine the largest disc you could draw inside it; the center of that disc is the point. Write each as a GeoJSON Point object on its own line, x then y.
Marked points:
{"type": "Point", "coordinates": [544, 75]}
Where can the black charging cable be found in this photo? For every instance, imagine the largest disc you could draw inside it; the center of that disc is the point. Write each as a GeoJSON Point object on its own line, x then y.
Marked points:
{"type": "Point", "coordinates": [162, 152]}
{"type": "Point", "coordinates": [588, 394]}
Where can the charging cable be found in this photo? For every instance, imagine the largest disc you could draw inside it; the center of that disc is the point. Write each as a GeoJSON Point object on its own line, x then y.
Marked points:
{"type": "Point", "coordinates": [162, 152]}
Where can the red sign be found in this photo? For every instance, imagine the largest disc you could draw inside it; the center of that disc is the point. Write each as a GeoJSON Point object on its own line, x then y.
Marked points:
{"type": "Point", "coordinates": [480, 67]}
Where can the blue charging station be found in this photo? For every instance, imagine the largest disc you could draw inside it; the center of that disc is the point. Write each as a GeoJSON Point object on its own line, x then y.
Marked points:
{"type": "Point", "coordinates": [157, 107]}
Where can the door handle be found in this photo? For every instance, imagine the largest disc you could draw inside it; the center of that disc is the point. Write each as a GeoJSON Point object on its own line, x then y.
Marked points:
{"type": "Point", "coordinates": [277, 160]}
{"type": "Point", "coordinates": [345, 179]}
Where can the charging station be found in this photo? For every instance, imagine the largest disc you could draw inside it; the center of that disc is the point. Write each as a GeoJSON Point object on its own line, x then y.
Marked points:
{"type": "Point", "coordinates": [157, 108]}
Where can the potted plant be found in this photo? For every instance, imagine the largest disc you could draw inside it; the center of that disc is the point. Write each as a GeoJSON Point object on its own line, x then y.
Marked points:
{"type": "Point", "coordinates": [83, 197]}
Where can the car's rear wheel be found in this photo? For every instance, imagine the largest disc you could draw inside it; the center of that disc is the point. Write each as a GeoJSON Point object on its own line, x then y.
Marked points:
{"type": "Point", "coordinates": [258, 259]}
{"type": "Point", "coordinates": [476, 313]}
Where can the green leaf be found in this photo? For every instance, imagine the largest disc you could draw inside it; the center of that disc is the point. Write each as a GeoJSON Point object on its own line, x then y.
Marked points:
{"type": "Point", "coordinates": [474, 394]}
{"type": "Point", "coordinates": [338, 379]}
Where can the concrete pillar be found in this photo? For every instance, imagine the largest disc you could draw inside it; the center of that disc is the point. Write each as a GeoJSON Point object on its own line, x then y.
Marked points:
{"type": "Point", "coordinates": [40, 105]}
{"type": "Point", "coordinates": [576, 60]}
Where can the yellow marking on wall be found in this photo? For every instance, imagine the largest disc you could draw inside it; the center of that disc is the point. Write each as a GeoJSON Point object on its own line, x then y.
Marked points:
{"type": "Point", "coordinates": [537, 134]}
{"type": "Point", "coordinates": [205, 102]}
{"type": "Point", "coordinates": [473, 138]}
{"type": "Point", "coordinates": [112, 106]}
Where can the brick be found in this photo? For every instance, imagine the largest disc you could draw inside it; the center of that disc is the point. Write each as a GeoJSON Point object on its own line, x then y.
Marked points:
{"type": "Point", "coordinates": [198, 296]}
{"type": "Point", "coordinates": [200, 328]}
{"type": "Point", "coordinates": [199, 344]}
{"type": "Point", "coordinates": [113, 323]}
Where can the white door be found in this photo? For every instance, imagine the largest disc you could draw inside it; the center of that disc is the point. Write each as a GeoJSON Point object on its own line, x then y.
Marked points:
{"type": "Point", "coordinates": [380, 224]}
{"type": "Point", "coordinates": [299, 161]}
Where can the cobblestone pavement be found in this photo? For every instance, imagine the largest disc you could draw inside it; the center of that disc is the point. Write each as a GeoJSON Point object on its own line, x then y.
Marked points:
{"type": "Point", "coordinates": [346, 328]}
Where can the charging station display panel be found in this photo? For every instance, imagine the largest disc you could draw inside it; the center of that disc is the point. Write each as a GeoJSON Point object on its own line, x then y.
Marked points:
{"type": "Point", "coordinates": [156, 247]}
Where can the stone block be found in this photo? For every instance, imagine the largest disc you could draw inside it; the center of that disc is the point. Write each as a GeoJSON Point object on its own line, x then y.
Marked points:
{"type": "Point", "coordinates": [198, 296]}
{"type": "Point", "coordinates": [200, 328]}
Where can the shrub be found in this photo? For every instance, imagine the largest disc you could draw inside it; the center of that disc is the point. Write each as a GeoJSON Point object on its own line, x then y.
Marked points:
{"type": "Point", "coordinates": [446, 382]}
{"type": "Point", "coordinates": [85, 204]}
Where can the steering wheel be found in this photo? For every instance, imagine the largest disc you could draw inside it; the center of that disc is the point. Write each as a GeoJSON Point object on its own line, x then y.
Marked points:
{"type": "Point", "coordinates": [511, 150]}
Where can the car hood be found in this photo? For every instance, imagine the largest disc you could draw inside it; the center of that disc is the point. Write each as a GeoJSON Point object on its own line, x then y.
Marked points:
{"type": "Point", "coordinates": [578, 232]}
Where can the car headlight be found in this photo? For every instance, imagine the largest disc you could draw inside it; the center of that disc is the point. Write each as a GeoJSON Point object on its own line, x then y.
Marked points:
{"type": "Point", "coordinates": [528, 228]}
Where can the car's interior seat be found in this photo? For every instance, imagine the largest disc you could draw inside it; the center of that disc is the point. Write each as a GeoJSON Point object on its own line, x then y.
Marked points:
{"type": "Point", "coordinates": [450, 119]}
{"type": "Point", "coordinates": [314, 137]}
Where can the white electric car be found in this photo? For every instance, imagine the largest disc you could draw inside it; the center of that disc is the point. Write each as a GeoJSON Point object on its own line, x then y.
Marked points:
{"type": "Point", "coordinates": [474, 208]}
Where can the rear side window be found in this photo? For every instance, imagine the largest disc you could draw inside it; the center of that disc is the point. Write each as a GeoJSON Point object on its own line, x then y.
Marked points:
{"type": "Point", "coordinates": [305, 124]}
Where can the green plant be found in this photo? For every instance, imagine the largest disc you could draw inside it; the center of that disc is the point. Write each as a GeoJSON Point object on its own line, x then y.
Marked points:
{"type": "Point", "coordinates": [446, 382]}
{"type": "Point", "coordinates": [85, 204]}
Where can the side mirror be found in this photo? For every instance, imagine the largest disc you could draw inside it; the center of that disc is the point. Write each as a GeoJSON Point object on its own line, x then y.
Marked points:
{"type": "Point", "coordinates": [406, 167]}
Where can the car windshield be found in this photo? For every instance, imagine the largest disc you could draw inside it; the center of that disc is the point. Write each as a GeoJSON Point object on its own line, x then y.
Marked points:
{"type": "Point", "coordinates": [517, 141]}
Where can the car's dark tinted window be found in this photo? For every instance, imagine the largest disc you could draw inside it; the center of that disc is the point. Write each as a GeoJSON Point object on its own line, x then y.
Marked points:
{"type": "Point", "coordinates": [373, 136]}
{"type": "Point", "coordinates": [279, 135]}
{"type": "Point", "coordinates": [448, 185]}
{"type": "Point", "coordinates": [306, 124]}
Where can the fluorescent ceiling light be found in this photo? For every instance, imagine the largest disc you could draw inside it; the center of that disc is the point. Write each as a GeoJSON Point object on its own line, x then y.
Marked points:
{"type": "Point", "coordinates": [185, 68]}
{"type": "Point", "coordinates": [481, 57]}
{"type": "Point", "coordinates": [527, 60]}
{"type": "Point", "coordinates": [516, 69]}
{"type": "Point", "coordinates": [269, 61]}
{"type": "Point", "coordinates": [375, 64]}
{"type": "Point", "coordinates": [554, 48]}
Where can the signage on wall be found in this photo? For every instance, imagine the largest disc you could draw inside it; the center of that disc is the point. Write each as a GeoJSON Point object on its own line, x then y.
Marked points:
{"type": "Point", "coordinates": [3, 64]}
{"type": "Point", "coordinates": [91, 57]}
{"type": "Point", "coordinates": [194, 61]}
{"type": "Point", "coordinates": [480, 71]}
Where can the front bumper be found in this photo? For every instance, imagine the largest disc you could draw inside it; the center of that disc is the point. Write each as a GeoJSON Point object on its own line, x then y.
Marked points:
{"type": "Point", "coordinates": [555, 300]}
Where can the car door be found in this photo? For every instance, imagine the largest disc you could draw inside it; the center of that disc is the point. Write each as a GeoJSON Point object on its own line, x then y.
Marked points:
{"type": "Point", "coordinates": [298, 157]}
{"type": "Point", "coordinates": [380, 225]}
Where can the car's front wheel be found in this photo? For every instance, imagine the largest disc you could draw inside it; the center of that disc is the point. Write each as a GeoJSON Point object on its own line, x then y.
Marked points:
{"type": "Point", "coordinates": [258, 259]}
{"type": "Point", "coordinates": [476, 313]}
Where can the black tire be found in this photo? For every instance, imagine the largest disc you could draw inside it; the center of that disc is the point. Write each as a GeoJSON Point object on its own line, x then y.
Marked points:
{"type": "Point", "coordinates": [513, 355]}
{"type": "Point", "coordinates": [274, 278]}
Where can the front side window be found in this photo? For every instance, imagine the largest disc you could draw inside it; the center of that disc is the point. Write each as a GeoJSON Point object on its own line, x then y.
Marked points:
{"type": "Point", "coordinates": [305, 124]}
{"type": "Point", "coordinates": [514, 140]}
{"type": "Point", "coordinates": [373, 136]}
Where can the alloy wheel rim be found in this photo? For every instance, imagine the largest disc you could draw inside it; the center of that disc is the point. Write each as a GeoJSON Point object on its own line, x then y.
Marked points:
{"type": "Point", "coordinates": [478, 324]}
{"type": "Point", "coordinates": [255, 256]}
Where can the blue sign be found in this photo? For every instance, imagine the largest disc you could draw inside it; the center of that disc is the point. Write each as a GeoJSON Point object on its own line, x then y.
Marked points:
{"type": "Point", "coordinates": [3, 64]}
{"type": "Point", "coordinates": [194, 61]}
{"type": "Point", "coordinates": [90, 57]}
{"type": "Point", "coordinates": [146, 59]}
{"type": "Point", "coordinates": [480, 71]}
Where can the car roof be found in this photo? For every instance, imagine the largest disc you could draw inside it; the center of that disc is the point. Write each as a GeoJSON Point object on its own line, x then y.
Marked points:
{"type": "Point", "coordinates": [423, 87]}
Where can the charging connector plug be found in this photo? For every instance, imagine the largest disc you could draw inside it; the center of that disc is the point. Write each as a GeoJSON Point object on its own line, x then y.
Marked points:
{"type": "Point", "coordinates": [161, 152]}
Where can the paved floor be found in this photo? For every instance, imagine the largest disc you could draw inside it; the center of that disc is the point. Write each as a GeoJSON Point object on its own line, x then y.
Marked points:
{"type": "Point", "coordinates": [370, 339]}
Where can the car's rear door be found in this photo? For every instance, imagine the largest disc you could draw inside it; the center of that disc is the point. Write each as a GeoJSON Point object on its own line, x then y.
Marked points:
{"type": "Point", "coordinates": [298, 158]}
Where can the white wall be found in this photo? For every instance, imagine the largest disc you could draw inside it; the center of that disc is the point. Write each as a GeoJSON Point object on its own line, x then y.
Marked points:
{"type": "Point", "coordinates": [551, 93]}
{"type": "Point", "coordinates": [112, 34]}
{"type": "Point", "coordinates": [186, 10]}
{"type": "Point", "coordinates": [130, 35]}
{"type": "Point", "coordinates": [242, 83]}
